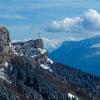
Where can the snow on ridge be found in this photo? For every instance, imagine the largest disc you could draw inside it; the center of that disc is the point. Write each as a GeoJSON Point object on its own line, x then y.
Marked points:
{"type": "Point", "coordinates": [6, 64]}
{"type": "Point", "coordinates": [49, 60]}
{"type": "Point", "coordinates": [71, 96]}
{"type": "Point", "coordinates": [42, 51]}
{"type": "Point", "coordinates": [44, 66]}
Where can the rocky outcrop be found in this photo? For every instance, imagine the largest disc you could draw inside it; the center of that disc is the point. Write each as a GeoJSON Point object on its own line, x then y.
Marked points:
{"type": "Point", "coordinates": [5, 44]}
{"type": "Point", "coordinates": [34, 49]}
{"type": "Point", "coordinates": [23, 77]}
{"type": "Point", "coordinates": [28, 74]}
{"type": "Point", "coordinates": [4, 39]}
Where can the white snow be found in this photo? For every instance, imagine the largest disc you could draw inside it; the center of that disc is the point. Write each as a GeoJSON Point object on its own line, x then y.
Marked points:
{"type": "Point", "coordinates": [42, 51]}
{"type": "Point", "coordinates": [71, 96]}
{"type": "Point", "coordinates": [21, 54]}
{"type": "Point", "coordinates": [2, 69]}
{"type": "Point", "coordinates": [15, 52]}
{"type": "Point", "coordinates": [10, 45]}
{"type": "Point", "coordinates": [6, 64]}
{"type": "Point", "coordinates": [33, 56]}
{"type": "Point", "coordinates": [49, 60]}
{"type": "Point", "coordinates": [44, 66]}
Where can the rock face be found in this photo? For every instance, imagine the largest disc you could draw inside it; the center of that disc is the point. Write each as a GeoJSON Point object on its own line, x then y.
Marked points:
{"type": "Point", "coordinates": [28, 74]}
{"type": "Point", "coordinates": [4, 39]}
{"type": "Point", "coordinates": [5, 44]}
{"type": "Point", "coordinates": [34, 49]}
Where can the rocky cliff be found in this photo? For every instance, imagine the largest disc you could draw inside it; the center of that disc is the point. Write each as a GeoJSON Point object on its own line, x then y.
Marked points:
{"type": "Point", "coordinates": [5, 44]}
{"type": "Point", "coordinates": [26, 73]}
{"type": "Point", "coordinates": [23, 71]}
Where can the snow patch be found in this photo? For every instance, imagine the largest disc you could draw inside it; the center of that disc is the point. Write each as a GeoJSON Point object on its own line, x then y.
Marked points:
{"type": "Point", "coordinates": [6, 64]}
{"type": "Point", "coordinates": [33, 56]}
{"type": "Point", "coordinates": [49, 60]}
{"type": "Point", "coordinates": [15, 52]}
{"type": "Point", "coordinates": [10, 45]}
{"type": "Point", "coordinates": [42, 51]}
{"type": "Point", "coordinates": [71, 96]}
{"type": "Point", "coordinates": [2, 69]}
{"type": "Point", "coordinates": [44, 66]}
{"type": "Point", "coordinates": [21, 54]}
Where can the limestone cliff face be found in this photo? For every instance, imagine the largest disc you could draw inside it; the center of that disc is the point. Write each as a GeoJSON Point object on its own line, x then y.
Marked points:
{"type": "Point", "coordinates": [31, 53]}
{"type": "Point", "coordinates": [5, 43]}
{"type": "Point", "coordinates": [4, 38]}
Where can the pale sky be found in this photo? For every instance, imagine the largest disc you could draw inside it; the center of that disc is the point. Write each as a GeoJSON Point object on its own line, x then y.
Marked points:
{"type": "Point", "coordinates": [52, 18]}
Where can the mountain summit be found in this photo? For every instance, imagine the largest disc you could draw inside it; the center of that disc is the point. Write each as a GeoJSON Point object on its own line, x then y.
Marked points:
{"type": "Point", "coordinates": [26, 73]}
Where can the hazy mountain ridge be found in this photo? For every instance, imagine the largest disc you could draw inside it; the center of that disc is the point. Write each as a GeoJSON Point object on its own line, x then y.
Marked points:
{"type": "Point", "coordinates": [84, 54]}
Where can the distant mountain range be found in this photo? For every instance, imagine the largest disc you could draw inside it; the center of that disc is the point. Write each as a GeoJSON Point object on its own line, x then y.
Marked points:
{"type": "Point", "coordinates": [83, 54]}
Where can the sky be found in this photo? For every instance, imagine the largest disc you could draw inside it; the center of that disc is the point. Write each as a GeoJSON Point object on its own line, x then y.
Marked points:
{"type": "Point", "coordinates": [54, 19]}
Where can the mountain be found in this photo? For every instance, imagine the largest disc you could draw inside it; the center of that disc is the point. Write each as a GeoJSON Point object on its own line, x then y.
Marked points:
{"type": "Point", "coordinates": [26, 73]}
{"type": "Point", "coordinates": [83, 54]}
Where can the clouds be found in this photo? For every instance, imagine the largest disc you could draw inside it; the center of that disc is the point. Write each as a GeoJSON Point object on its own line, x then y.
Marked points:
{"type": "Point", "coordinates": [12, 16]}
{"type": "Point", "coordinates": [52, 44]}
{"type": "Point", "coordinates": [38, 13]}
{"type": "Point", "coordinates": [89, 21]}
{"type": "Point", "coordinates": [65, 25]}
